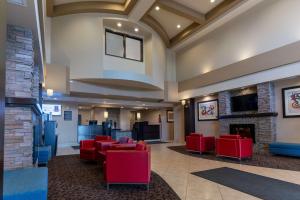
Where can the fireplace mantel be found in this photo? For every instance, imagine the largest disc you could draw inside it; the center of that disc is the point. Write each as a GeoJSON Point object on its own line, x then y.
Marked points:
{"type": "Point", "coordinates": [252, 115]}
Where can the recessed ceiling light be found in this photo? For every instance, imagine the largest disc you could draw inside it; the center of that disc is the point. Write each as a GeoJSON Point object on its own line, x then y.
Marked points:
{"type": "Point", "coordinates": [212, 1]}
{"type": "Point", "coordinates": [178, 26]}
{"type": "Point", "coordinates": [119, 24]}
{"type": "Point", "coordinates": [157, 8]}
{"type": "Point", "coordinates": [136, 29]}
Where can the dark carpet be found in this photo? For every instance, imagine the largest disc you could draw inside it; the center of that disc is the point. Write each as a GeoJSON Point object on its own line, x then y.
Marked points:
{"type": "Point", "coordinates": [71, 178]}
{"type": "Point", "coordinates": [259, 186]}
{"type": "Point", "coordinates": [258, 159]}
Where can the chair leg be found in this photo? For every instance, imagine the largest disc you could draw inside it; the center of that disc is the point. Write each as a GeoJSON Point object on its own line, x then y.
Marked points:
{"type": "Point", "coordinates": [107, 186]}
{"type": "Point", "coordinates": [148, 187]}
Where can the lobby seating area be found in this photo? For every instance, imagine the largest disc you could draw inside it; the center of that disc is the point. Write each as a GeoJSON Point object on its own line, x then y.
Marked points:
{"type": "Point", "coordinates": [231, 146]}
{"type": "Point", "coordinates": [124, 161]}
{"type": "Point", "coordinates": [149, 100]}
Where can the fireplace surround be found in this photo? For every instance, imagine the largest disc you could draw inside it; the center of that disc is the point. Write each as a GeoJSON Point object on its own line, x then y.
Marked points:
{"type": "Point", "coordinates": [244, 130]}
{"type": "Point", "coordinates": [263, 121]}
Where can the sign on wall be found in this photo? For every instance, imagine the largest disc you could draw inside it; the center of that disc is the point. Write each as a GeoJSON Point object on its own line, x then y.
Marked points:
{"type": "Point", "coordinates": [68, 115]}
{"type": "Point", "coordinates": [291, 101]}
{"type": "Point", "coordinates": [208, 110]}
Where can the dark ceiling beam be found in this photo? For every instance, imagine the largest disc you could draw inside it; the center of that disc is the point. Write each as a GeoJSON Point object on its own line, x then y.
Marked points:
{"type": "Point", "coordinates": [211, 15]}
{"type": "Point", "coordinates": [222, 8]}
{"type": "Point", "coordinates": [184, 34]}
{"type": "Point", "coordinates": [156, 26]}
{"type": "Point", "coordinates": [181, 10]}
{"type": "Point", "coordinates": [89, 7]}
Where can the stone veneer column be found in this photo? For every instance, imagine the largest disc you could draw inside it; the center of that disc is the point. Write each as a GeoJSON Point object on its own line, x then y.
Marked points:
{"type": "Point", "coordinates": [21, 82]}
{"type": "Point", "coordinates": [266, 97]}
{"type": "Point", "coordinates": [224, 103]}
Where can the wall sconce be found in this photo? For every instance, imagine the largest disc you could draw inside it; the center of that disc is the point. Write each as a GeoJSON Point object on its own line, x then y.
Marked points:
{"type": "Point", "coordinates": [183, 102]}
{"type": "Point", "coordinates": [105, 114]}
{"type": "Point", "coordinates": [50, 92]}
{"type": "Point", "coordinates": [138, 116]}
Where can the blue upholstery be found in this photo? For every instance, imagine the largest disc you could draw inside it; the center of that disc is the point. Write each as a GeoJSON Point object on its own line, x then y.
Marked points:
{"type": "Point", "coordinates": [43, 154]}
{"type": "Point", "coordinates": [26, 184]}
{"type": "Point", "coordinates": [289, 149]}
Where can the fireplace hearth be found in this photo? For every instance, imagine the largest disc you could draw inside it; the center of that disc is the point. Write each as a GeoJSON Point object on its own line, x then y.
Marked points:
{"type": "Point", "coordinates": [244, 130]}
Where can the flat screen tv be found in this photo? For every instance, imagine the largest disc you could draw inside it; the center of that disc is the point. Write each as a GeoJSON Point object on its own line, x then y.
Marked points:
{"type": "Point", "coordinates": [53, 109]}
{"type": "Point", "coordinates": [244, 103]}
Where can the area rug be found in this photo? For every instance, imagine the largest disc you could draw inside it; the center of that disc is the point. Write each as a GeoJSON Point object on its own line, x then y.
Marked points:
{"type": "Point", "coordinates": [261, 160]}
{"type": "Point", "coordinates": [259, 186]}
{"type": "Point", "coordinates": [71, 178]}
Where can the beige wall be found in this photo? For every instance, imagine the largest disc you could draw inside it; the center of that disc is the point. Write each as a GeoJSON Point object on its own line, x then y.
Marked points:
{"type": "Point", "coordinates": [67, 130]}
{"type": "Point", "coordinates": [252, 33]}
{"type": "Point", "coordinates": [86, 115]}
{"type": "Point", "coordinates": [77, 41]}
{"type": "Point", "coordinates": [179, 124]}
{"type": "Point", "coordinates": [125, 117]}
{"type": "Point", "coordinates": [152, 116]}
{"type": "Point", "coordinates": [208, 128]}
{"type": "Point", "coordinates": [287, 128]}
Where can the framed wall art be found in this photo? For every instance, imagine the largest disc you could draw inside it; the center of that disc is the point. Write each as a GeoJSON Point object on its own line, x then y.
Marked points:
{"type": "Point", "coordinates": [208, 110]}
{"type": "Point", "coordinates": [291, 102]}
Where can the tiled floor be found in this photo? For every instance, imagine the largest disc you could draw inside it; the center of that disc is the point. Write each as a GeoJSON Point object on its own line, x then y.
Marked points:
{"type": "Point", "coordinates": [176, 169]}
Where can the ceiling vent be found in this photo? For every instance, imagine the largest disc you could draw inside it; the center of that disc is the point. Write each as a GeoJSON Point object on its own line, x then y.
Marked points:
{"type": "Point", "coordinates": [18, 2]}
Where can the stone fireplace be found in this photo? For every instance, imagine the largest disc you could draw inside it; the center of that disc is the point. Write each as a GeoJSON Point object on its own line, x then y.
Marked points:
{"type": "Point", "coordinates": [259, 125]}
{"type": "Point", "coordinates": [244, 130]}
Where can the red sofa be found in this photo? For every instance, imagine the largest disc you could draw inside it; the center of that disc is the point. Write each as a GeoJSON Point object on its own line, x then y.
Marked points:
{"type": "Point", "coordinates": [234, 146]}
{"type": "Point", "coordinates": [198, 143]}
{"type": "Point", "coordinates": [88, 150]}
{"type": "Point", "coordinates": [128, 166]}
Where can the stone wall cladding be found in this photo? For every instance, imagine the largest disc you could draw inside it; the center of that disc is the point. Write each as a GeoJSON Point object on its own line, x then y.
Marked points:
{"type": "Point", "coordinates": [265, 127]}
{"type": "Point", "coordinates": [18, 138]}
{"type": "Point", "coordinates": [22, 79]}
{"type": "Point", "coordinates": [19, 62]}
{"type": "Point", "coordinates": [224, 103]}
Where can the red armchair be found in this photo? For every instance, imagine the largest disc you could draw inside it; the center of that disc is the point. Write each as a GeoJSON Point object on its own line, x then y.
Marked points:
{"type": "Point", "coordinates": [102, 138]}
{"type": "Point", "coordinates": [234, 146]}
{"type": "Point", "coordinates": [87, 150]}
{"type": "Point", "coordinates": [199, 143]}
{"type": "Point", "coordinates": [128, 166]}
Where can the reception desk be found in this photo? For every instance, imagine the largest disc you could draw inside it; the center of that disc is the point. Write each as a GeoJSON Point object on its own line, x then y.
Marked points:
{"type": "Point", "coordinates": [85, 132]}
{"type": "Point", "coordinates": [145, 131]}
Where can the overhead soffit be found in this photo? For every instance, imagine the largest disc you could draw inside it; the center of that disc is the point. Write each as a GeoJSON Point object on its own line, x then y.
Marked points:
{"type": "Point", "coordinates": [192, 15]}
{"type": "Point", "coordinates": [169, 21]}
{"type": "Point", "coordinates": [201, 6]}
{"type": "Point", "coordinates": [59, 2]}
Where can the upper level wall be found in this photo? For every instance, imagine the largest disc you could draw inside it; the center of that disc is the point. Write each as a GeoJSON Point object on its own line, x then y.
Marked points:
{"type": "Point", "coordinates": [78, 41]}
{"type": "Point", "coordinates": [269, 25]}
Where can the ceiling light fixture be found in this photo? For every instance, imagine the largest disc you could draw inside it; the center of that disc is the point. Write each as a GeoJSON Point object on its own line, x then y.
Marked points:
{"type": "Point", "coordinates": [119, 24]}
{"type": "Point", "coordinates": [178, 26]}
{"type": "Point", "coordinates": [212, 1]}
{"type": "Point", "coordinates": [136, 29]}
{"type": "Point", "coordinates": [157, 8]}
{"type": "Point", "coordinates": [50, 92]}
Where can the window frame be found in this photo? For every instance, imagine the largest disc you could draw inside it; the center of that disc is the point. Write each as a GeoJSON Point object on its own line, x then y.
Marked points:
{"type": "Point", "coordinates": [124, 35]}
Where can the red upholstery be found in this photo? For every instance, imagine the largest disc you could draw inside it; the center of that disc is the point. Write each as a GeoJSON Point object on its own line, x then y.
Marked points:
{"type": "Point", "coordinates": [199, 143]}
{"type": "Point", "coordinates": [102, 137]}
{"type": "Point", "coordinates": [87, 150]}
{"type": "Point", "coordinates": [128, 166]}
{"type": "Point", "coordinates": [234, 146]}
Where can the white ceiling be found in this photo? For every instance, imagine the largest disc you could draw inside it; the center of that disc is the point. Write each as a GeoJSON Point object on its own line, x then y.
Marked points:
{"type": "Point", "coordinates": [169, 21]}
{"type": "Point", "coordinates": [127, 27]}
{"type": "Point", "coordinates": [57, 2]}
{"type": "Point", "coordinates": [201, 6]}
